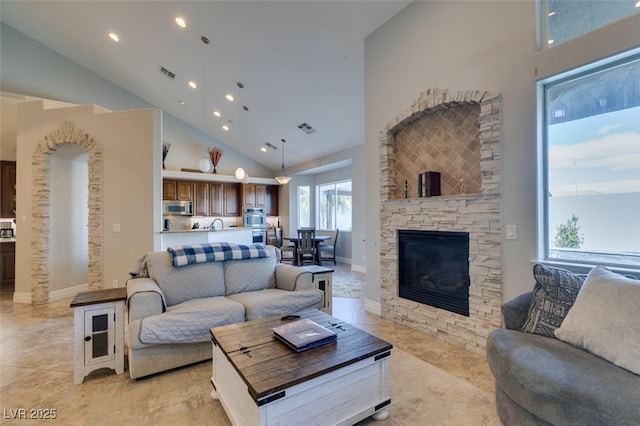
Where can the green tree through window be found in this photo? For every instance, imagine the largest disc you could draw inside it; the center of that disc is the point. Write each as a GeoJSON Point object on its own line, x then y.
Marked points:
{"type": "Point", "coordinates": [568, 236]}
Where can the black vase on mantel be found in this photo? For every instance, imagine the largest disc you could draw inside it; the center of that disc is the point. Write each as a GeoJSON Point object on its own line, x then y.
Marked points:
{"type": "Point", "coordinates": [429, 184]}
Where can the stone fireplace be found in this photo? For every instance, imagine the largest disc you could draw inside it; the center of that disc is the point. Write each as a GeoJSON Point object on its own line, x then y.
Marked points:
{"type": "Point", "coordinates": [457, 134]}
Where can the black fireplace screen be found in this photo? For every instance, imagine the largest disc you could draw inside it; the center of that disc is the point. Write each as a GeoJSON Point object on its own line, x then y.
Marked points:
{"type": "Point", "coordinates": [433, 268]}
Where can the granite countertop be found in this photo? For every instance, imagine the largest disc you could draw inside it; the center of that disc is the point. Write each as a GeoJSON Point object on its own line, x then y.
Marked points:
{"type": "Point", "coordinates": [182, 231]}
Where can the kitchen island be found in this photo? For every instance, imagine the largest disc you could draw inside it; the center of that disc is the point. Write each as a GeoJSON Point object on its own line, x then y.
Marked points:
{"type": "Point", "coordinates": [199, 236]}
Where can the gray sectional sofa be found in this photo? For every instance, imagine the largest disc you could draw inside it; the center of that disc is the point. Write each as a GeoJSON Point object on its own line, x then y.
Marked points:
{"type": "Point", "coordinates": [541, 379]}
{"type": "Point", "coordinates": [172, 308]}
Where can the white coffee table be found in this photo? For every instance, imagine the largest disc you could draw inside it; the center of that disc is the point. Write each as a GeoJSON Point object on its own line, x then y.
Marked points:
{"type": "Point", "coordinates": [260, 381]}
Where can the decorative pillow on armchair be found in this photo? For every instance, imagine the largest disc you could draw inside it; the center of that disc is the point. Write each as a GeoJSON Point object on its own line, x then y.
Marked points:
{"type": "Point", "coordinates": [605, 319]}
{"type": "Point", "coordinates": [554, 293]}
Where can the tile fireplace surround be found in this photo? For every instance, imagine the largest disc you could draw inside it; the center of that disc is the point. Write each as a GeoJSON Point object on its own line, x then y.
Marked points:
{"type": "Point", "coordinates": [456, 133]}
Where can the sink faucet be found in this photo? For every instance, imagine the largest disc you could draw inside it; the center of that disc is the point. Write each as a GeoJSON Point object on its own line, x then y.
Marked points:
{"type": "Point", "coordinates": [215, 220]}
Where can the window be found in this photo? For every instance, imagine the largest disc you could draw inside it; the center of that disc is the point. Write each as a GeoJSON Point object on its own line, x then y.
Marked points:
{"type": "Point", "coordinates": [590, 173]}
{"type": "Point", "coordinates": [564, 20]}
{"type": "Point", "coordinates": [304, 206]}
{"type": "Point", "coordinates": [334, 206]}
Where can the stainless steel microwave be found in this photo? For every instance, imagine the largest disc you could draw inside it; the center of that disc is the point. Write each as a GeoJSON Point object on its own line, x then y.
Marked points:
{"type": "Point", "coordinates": [178, 208]}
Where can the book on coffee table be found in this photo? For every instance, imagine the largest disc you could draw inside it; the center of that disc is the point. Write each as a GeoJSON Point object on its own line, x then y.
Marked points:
{"type": "Point", "coordinates": [304, 334]}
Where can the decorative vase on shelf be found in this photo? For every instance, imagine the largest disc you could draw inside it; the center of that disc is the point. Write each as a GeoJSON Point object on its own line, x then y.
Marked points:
{"type": "Point", "coordinates": [215, 154]}
{"type": "Point", "coordinates": [165, 151]}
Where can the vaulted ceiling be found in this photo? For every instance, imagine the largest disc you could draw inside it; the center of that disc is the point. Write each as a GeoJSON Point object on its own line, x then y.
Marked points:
{"type": "Point", "coordinates": [300, 62]}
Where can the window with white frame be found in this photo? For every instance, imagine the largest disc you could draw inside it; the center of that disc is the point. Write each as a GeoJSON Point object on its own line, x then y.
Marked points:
{"type": "Point", "coordinates": [304, 206]}
{"type": "Point", "coordinates": [590, 164]}
{"type": "Point", "coordinates": [334, 206]}
{"type": "Point", "coordinates": [563, 20]}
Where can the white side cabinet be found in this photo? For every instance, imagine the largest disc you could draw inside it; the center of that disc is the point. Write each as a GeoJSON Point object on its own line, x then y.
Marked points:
{"type": "Point", "coordinates": [322, 276]}
{"type": "Point", "coordinates": [98, 331]}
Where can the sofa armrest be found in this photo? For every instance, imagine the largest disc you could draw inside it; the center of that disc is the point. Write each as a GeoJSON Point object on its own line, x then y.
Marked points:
{"type": "Point", "coordinates": [289, 277]}
{"type": "Point", "coordinates": [516, 311]}
{"type": "Point", "coordinates": [144, 298]}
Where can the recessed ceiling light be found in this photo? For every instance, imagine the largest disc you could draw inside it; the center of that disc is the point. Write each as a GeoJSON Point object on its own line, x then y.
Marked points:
{"type": "Point", "coordinates": [181, 22]}
{"type": "Point", "coordinates": [638, 3]}
{"type": "Point", "coordinates": [263, 149]}
{"type": "Point", "coordinates": [216, 113]}
{"type": "Point", "coordinates": [225, 127]}
{"type": "Point", "coordinates": [552, 13]}
{"type": "Point", "coordinates": [183, 103]}
{"type": "Point", "coordinates": [550, 41]}
{"type": "Point", "coordinates": [192, 84]}
{"type": "Point", "coordinates": [229, 97]}
{"type": "Point", "coordinates": [114, 37]}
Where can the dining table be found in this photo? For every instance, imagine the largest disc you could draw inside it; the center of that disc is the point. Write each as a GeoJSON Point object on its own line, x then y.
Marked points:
{"type": "Point", "coordinates": [317, 240]}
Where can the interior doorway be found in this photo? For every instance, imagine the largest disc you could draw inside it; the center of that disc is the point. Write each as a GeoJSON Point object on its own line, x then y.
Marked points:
{"type": "Point", "coordinates": [68, 203]}
{"type": "Point", "coordinates": [42, 223]}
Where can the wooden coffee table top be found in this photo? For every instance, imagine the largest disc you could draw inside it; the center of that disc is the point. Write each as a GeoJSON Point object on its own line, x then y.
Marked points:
{"type": "Point", "coordinates": [268, 365]}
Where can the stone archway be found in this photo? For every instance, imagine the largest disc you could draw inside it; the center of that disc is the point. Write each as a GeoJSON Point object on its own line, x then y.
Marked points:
{"type": "Point", "coordinates": [66, 134]}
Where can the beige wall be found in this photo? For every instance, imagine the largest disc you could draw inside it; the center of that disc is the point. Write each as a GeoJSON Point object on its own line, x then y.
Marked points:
{"type": "Point", "coordinates": [131, 146]}
{"type": "Point", "coordinates": [468, 45]}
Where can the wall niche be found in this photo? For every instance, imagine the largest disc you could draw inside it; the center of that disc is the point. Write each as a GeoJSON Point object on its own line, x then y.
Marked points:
{"type": "Point", "coordinates": [443, 140]}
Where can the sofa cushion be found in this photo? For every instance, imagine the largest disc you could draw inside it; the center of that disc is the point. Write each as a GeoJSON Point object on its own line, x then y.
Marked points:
{"type": "Point", "coordinates": [554, 292]}
{"type": "Point", "coordinates": [605, 319]}
{"type": "Point", "coordinates": [190, 321]}
{"type": "Point", "coordinates": [186, 282]}
{"type": "Point", "coordinates": [250, 274]}
{"type": "Point", "coordinates": [272, 302]}
{"type": "Point", "coordinates": [560, 383]}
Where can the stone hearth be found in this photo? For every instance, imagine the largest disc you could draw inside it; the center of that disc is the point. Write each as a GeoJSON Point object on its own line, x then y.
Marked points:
{"type": "Point", "coordinates": [459, 135]}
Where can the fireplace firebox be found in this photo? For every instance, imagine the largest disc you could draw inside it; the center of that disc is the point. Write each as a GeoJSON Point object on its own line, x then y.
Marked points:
{"type": "Point", "coordinates": [433, 269]}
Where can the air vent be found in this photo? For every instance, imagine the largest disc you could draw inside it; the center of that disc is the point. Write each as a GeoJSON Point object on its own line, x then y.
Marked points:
{"type": "Point", "coordinates": [168, 73]}
{"type": "Point", "coordinates": [272, 146]}
{"type": "Point", "coordinates": [306, 128]}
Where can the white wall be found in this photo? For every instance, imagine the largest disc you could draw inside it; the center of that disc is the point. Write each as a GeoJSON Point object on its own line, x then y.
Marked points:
{"type": "Point", "coordinates": [466, 45]}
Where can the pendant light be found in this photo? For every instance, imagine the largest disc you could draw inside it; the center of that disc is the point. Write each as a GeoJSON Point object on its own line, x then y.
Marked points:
{"type": "Point", "coordinates": [282, 178]}
{"type": "Point", "coordinates": [241, 175]}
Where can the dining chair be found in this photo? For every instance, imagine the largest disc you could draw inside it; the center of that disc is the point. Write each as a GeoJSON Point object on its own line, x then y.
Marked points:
{"type": "Point", "coordinates": [328, 251]}
{"type": "Point", "coordinates": [286, 250]}
{"type": "Point", "coordinates": [306, 246]}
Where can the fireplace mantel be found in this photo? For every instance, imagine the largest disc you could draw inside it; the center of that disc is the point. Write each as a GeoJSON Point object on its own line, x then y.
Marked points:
{"type": "Point", "coordinates": [478, 213]}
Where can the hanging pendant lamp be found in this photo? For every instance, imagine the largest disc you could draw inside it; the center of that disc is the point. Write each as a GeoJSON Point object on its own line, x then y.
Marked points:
{"type": "Point", "coordinates": [282, 178]}
{"type": "Point", "coordinates": [241, 175]}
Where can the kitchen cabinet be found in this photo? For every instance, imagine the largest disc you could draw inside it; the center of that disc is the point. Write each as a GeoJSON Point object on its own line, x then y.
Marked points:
{"type": "Point", "coordinates": [254, 195]}
{"type": "Point", "coordinates": [7, 189]}
{"type": "Point", "coordinates": [232, 200]}
{"type": "Point", "coordinates": [209, 199]}
{"type": "Point", "coordinates": [216, 199]}
{"type": "Point", "coordinates": [8, 262]}
{"type": "Point", "coordinates": [169, 190]}
{"type": "Point", "coordinates": [177, 190]}
{"type": "Point", "coordinates": [271, 200]}
{"type": "Point", "coordinates": [201, 199]}
{"type": "Point", "coordinates": [184, 190]}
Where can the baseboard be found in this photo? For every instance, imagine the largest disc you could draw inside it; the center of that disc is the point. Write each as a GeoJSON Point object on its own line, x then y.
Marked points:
{"type": "Point", "coordinates": [359, 268]}
{"type": "Point", "coordinates": [63, 293]}
{"type": "Point", "coordinates": [373, 307]}
{"type": "Point", "coordinates": [343, 260]}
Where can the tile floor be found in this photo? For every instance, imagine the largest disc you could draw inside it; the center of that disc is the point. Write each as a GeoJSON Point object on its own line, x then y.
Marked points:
{"type": "Point", "coordinates": [36, 369]}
